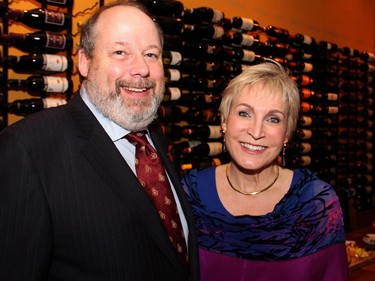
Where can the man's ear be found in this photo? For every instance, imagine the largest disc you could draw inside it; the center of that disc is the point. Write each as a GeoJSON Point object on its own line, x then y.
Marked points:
{"type": "Point", "coordinates": [83, 63]}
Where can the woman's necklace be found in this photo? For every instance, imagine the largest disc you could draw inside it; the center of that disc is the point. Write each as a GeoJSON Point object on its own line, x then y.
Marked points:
{"type": "Point", "coordinates": [254, 192]}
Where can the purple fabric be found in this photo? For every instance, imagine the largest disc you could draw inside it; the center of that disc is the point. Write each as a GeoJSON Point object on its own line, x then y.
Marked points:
{"type": "Point", "coordinates": [321, 266]}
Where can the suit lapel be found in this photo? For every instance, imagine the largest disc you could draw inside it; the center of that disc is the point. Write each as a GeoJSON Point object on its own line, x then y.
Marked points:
{"type": "Point", "coordinates": [103, 155]}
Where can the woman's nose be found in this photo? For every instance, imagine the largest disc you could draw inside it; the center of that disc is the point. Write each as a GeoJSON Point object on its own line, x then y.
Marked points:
{"type": "Point", "coordinates": [255, 129]}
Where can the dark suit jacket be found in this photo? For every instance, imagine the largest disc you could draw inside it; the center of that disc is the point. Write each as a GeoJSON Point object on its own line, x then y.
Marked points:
{"type": "Point", "coordinates": [71, 208]}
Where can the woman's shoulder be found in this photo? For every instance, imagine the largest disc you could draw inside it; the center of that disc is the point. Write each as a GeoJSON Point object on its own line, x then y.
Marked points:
{"type": "Point", "coordinates": [198, 180]}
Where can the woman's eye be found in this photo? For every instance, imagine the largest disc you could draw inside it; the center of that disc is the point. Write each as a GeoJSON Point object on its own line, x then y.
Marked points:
{"type": "Point", "coordinates": [274, 119]}
{"type": "Point", "coordinates": [243, 114]}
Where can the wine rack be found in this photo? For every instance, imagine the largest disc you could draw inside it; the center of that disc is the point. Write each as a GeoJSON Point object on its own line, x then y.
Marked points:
{"type": "Point", "coordinates": [204, 50]}
{"type": "Point", "coordinates": [39, 72]}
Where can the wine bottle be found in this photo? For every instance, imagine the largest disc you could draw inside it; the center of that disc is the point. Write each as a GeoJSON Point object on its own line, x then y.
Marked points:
{"type": "Point", "coordinates": [304, 121]}
{"type": "Point", "coordinates": [39, 63]}
{"type": "Point", "coordinates": [38, 18]}
{"type": "Point", "coordinates": [36, 85]}
{"type": "Point", "coordinates": [173, 42]}
{"type": "Point", "coordinates": [167, 8]}
{"type": "Point", "coordinates": [300, 65]}
{"type": "Point", "coordinates": [200, 67]}
{"type": "Point", "coordinates": [170, 26]}
{"type": "Point", "coordinates": [204, 116]}
{"type": "Point", "coordinates": [203, 30]}
{"type": "Point", "coordinates": [245, 24]}
{"type": "Point", "coordinates": [179, 146]}
{"type": "Point", "coordinates": [169, 112]}
{"type": "Point", "coordinates": [199, 99]}
{"type": "Point", "coordinates": [202, 50]}
{"type": "Point", "coordinates": [171, 58]}
{"type": "Point", "coordinates": [202, 83]}
{"type": "Point", "coordinates": [273, 48]}
{"type": "Point", "coordinates": [328, 46]}
{"type": "Point", "coordinates": [200, 163]}
{"type": "Point", "coordinates": [367, 56]}
{"type": "Point", "coordinates": [173, 132]}
{"type": "Point", "coordinates": [171, 93]}
{"type": "Point", "coordinates": [204, 149]}
{"type": "Point", "coordinates": [28, 106]}
{"type": "Point", "coordinates": [306, 147]}
{"type": "Point", "coordinates": [349, 52]}
{"type": "Point", "coordinates": [241, 39]}
{"type": "Point", "coordinates": [38, 42]}
{"type": "Point", "coordinates": [297, 53]}
{"type": "Point", "coordinates": [202, 132]}
{"type": "Point", "coordinates": [303, 134]}
{"type": "Point", "coordinates": [171, 75]}
{"type": "Point", "coordinates": [242, 55]}
{"type": "Point", "coordinates": [60, 3]}
{"type": "Point", "coordinates": [301, 39]}
{"type": "Point", "coordinates": [277, 32]}
{"type": "Point", "coordinates": [202, 14]}
{"type": "Point", "coordinates": [303, 80]}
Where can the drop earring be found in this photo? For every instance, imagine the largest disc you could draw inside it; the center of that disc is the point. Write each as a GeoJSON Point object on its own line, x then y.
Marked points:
{"type": "Point", "coordinates": [283, 161]}
{"type": "Point", "coordinates": [224, 147]}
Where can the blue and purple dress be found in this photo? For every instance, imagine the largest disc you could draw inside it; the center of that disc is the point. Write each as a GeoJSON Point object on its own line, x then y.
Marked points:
{"type": "Point", "coordinates": [302, 239]}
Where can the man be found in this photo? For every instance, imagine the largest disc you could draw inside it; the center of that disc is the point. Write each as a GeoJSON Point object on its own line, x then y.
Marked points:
{"type": "Point", "coordinates": [71, 206]}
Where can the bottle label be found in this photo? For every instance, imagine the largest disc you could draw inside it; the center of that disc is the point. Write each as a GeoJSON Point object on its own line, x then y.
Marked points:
{"type": "Point", "coordinates": [55, 40]}
{"type": "Point", "coordinates": [247, 24]}
{"type": "Point", "coordinates": [307, 40]}
{"type": "Point", "coordinates": [214, 132]}
{"type": "Point", "coordinates": [306, 160]}
{"type": "Point", "coordinates": [307, 121]}
{"type": "Point", "coordinates": [55, 84]}
{"type": "Point", "coordinates": [55, 63]}
{"type": "Point", "coordinates": [54, 17]}
{"type": "Point", "coordinates": [53, 102]}
{"type": "Point", "coordinates": [219, 32]}
{"type": "Point", "coordinates": [308, 67]}
{"type": "Point", "coordinates": [211, 49]}
{"type": "Point", "coordinates": [307, 134]}
{"type": "Point", "coordinates": [218, 16]}
{"type": "Point", "coordinates": [215, 148]}
{"type": "Point", "coordinates": [175, 75]}
{"type": "Point", "coordinates": [333, 109]}
{"type": "Point", "coordinates": [247, 40]}
{"type": "Point", "coordinates": [332, 96]}
{"type": "Point", "coordinates": [248, 56]}
{"type": "Point", "coordinates": [175, 93]}
{"type": "Point", "coordinates": [306, 147]}
{"type": "Point", "coordinates": [210, 66]}
{"type": "Point", "coordinates": [176, 58]}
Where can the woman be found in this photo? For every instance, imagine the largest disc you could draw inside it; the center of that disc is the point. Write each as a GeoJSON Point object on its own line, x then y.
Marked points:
{"type": "Point", "coordinates": [255, 219]}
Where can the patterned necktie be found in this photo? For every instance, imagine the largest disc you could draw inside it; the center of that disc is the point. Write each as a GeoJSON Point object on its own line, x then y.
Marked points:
{"type": "Point", "coordinates": [153, 178]}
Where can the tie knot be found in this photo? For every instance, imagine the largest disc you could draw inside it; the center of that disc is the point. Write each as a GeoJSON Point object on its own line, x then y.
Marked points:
{"type": "Point", "coordinates": [137, 138]}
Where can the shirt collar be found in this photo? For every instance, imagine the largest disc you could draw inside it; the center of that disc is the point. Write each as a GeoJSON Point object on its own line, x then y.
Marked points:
{"type": "Point", "coordinates": [115, 131]}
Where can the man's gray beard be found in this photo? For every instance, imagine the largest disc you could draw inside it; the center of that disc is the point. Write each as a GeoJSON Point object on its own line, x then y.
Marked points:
{"type": "Point", "coordinates": [112, 106]}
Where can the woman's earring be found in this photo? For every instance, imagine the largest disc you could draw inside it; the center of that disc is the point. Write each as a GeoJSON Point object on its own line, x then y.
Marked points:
{"type": "Point", "coordinates": [224, 148]}
{"type": "Point", "coordinates": [283, 162]}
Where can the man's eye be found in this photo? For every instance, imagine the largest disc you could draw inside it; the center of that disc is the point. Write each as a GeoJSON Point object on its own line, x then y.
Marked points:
{"type": "Point", "coordinates": [119, 52]}
{"type": "Point", "coordinates": [152, 55]}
